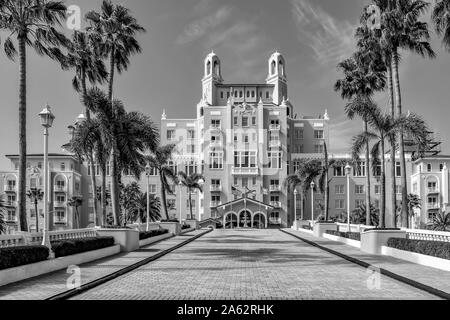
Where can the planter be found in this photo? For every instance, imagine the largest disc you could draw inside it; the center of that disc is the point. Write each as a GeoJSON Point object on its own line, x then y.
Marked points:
{"type": "Point", "coordinates": [350, 242]}
{"type": "Point", "coordinates": [173, 227]}
{"type": "Point", "coordinates": [300, 223]}
{"type": "Point", "coordinates": [128, 239]}
{"type": "Point", "coordinates": [194, 224]}
{"type": "Point", "coordinates": [12, 275]}
{"type": "Point", "coordinates": [373, 240]}
{"type": "Point", "coordinates": [187, 230]}
{"type": "Point", "coordinates": [149, 241]}
{"type": "Point", "coordinates": [321, 228]}
{"type": "Point", "coordinates": [422, 259]}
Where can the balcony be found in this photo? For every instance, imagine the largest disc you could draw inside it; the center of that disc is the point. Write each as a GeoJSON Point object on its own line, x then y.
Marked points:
{"type": "Point", "coordinates": [215, 128]}
{"type": "Point", "coordinates": [216, 144]}
{"type": "Point", "coordinates": [274, 144]}
{"type": "Point", "coordinates": [10, 188]}
{"type": "Point", "coordinates": [275, 188]}
{"type": "Point", "coordinates": [433, 190]}
{"type": "Point", "coordinates": [274, 127]}
{"type": "Point", "coordinates": [59, 204]}
{"type": "Point", "coordinates": [245, 171]}
{"type": "Point", "coordinates": [59, 220]}
{"type": "Point", "coordinates": [275, 204]}
{"type": "Point", "coordinates": [60, 188]}
{"type": "Point", "coordinates": [214, 204]}
{"type": "Point", "coordinates": [275, 220]}
{"type": "Point", "coordinates": [11, 204]}
{"type": "Point", "coordinates": [215, 188]}
{"type": "Point", "coordinates": [433, 206]}
{"type": "Point", "coordinates": [11, 218]}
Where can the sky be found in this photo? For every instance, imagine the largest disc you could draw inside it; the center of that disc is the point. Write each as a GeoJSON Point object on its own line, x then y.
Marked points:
{"type": "Point", "coordinates": [313, 36]}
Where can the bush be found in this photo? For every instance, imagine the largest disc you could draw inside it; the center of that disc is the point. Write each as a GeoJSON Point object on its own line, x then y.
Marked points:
{"type": "Point", "coordinates": [307, 227]}
{"type": "Point", "coordinates": [185, 226]}
{"type": "Point", "coordinates": [70, 247]}
{"type": "Point", "coordinates": [437, 249]}
{"type": "Point", "coordinates": [171, 220]}
{"type": "Point", "coordinates": [153, 233]}
{"type": "Point", "coordinates": [19, 256]}
{"type": "Point", "coordinates": [348, 235]}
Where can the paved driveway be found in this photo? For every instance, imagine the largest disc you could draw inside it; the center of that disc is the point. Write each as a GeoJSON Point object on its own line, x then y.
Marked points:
{"type": "Point", "coordinates": [252, 264]}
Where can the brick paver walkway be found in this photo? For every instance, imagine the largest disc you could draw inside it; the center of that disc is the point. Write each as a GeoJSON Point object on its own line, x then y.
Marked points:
{"type": "Point", "coordinates": [432, 277]}
{"type": "Point", "coordinates": [48, 285]}
{"type": "Point", "coordinates": [251, 264]}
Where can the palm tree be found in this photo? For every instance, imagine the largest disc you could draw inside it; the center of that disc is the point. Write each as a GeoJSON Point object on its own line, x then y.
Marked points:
{"type": "Point", "coordinates": [441, 222]}
{"type": "Point", "coordinates": [115, 29]}
{"type": "Point", "coordinates": [137, 210]}
{"type": "Point", "coordinates": [441, 20]}
{"type": "Point", "coordinates": [76, 202]}
{"type": "Point", "coordinates": [402, 29]}
{"type": "Point", "coordinates": [359, 215]}
{"type": "Point", "coordinates": [159, 160]}
{"type": "Point", "coordinates": [192, 183]}
{"type": "Point", "coordinates": [293, 182]}
{"type": "Point", "coordinates": [2, 212]}
{"type": "Point", "coordinates": [129, 134]}
{"type": "Point", "coordinates": [83, 58]}
{"type": "Point", "coordinates": [364, 74]}
{"type": "Point", "coordinates": [35, 196]}
{"type": "Point", "coordinates": [384, 128]}
{"type": "Point", "coordinates": [32, 23]}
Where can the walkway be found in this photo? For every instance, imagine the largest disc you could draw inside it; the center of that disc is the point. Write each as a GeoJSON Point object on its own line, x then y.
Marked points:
{"type": "Point", "coordinates": [253, 265]}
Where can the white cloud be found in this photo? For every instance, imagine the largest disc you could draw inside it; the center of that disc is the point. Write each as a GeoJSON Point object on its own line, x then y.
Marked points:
{"type": "Point", "coordinates": [331, 40]}
{"type": "Point", "coordinates": [198, 28]}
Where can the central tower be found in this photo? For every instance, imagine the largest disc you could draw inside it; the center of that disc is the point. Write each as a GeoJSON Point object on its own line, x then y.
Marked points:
{"type": "Point", "coordinates": [212, 77]}
{"type": "Point", "coordinates": [277, 77]}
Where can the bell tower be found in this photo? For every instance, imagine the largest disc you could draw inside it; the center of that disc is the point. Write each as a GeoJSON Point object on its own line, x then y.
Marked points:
{"type": "Point", "coordinates": [212, 76]}
{"type": "Point", "coordinates": [277, 77]}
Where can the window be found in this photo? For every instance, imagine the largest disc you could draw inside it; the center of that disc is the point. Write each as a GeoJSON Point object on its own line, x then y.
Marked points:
{"type": "Point", "coordinates": [228, 95]}
{"type": "Point", "coordinates": [244, 182]}
{"type": "Point", "coordinates": [60, 216]}
{"type": "Point", "coordinates": [60, 184]}
{"type": "Point", "coordinates": [236, 181]}
{"type": "Point", "coordinates": [235, 94]}
{"type": "Point", "coordinates": [241, 94]}
{"type": "Point", "coordinates": [60, 198]}
{"type": "Point", "coordinates": [377, 204]}
{"type": "Point", "coordinates": [432, 186]}
{"type": "Point", "coordinates": [359, 203]}
{"type": "Point", "coordinates": [359, 189]}
{"type": "Point", "coordinates": [377, 189]}
{"type": "Point", "coordinates": [318, 148]}
{"type": "Point", "coordinates": [221, 94]}
{"type": "Point", "coordinates": [191, 148]}
{"type": "Point", "coordinates": [299, 134]}
{"type": "Point", "coordinates": [274, 160]}
{"type": "Point", "coordinates": [415, 188]}
{"type": "Point", "coordinates": [318, 134]}
{"type": "Point", "coordinates": [216, 199]}
{"type": "Point", "coordinates": [339, 189]}
{"type": "Point", "coordinates": [253, 93]}
{"type": "Point", "coordinates": [216, 160]}
{"type": "Point", "coordinates": [192, 202]}
{"type": "Point", "coordinates": [339, 204]}
{"type": "Point", "coordinates": [63, 166]}
{"type": "Point", "coordinates": [398, 169]}
{"type": "Point", "coordinates": [267, 95]}
{"type": "Point", "coordinates": [429, 167]}
{"type": "Point", "coordinates": [398, 189]}
{"type": "Point", "coordinates": [377, 170]}
{"type": "Point", "coordinates": [11, 215]}
{"type": "Point", "coordinates": [191, 134]}
{"type": "Point", "coordinates": [170, 135]}
{"type": "Point", "coordinates": [296, 165]}
{"type": "Point", "coordinates": [254, 181]}
{"type": "Point", "coordinates": [244, 122]}
{"type": "Point", "coordinates": [339, 171]}
{"type": "Point", "coordinates": [191, 168]}
{"type": "Point", "coordinates": [215, 182]}
{"type": "Point", "coordinates": [108, 169]}
{"type": "Point", "coordinates": [173, 167]}
{"type": "Point", "coordinates": [433, 202]}
{"type": "Point", "coordinates": [152, 189]}
{"type": "Point", "coordinates": [33, 183]}
{"type": "Point", "coordinates": [253, 121]}
{"type": "Point", "coordinates": [248, 94]}
{"type": "Point", "coordinates": [245, 159]}
{"type": "Point", "coordinates": [172, 204]}
{"type": "Point", "coordinates": [39, 165]}
{"type": "Point", "coordinates": [360, 169]}
{"type": "Point", "coordinates": [235, 121]}
{"type": "Point", "coordinates": [215, 123]}
{"type": "Point", "coordinates": [275, 217]}
{"type": "Point", "coordinates": [441, 167]}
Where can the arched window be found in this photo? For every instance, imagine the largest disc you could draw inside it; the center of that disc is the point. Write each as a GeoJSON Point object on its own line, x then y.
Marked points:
{"type": "Point", "coordinates": [202, 112]}
{"type": "Point", "coordinates": [288, 112]}
{"type": "Point", "coordinates": [248, 94]}
{"type": "Point", "coordinates": [208, 68]}
{"type": "Point", "coordinates": [253, 94]}
{"type": "Point", "coordinates": [273, 67]}
{"type": "Point", "coordinates": [240, 94]}
{"type": "Point", "coordinates": [281, 68]}
{"type": "Point", "coordinates": [216, 68]}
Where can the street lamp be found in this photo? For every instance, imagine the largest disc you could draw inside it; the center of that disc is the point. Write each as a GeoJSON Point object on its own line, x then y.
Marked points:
{"type": "Point", "coordinates": [147, 172]}
{"type": "Point", "coordinates": [47, 118]}
{"type": "Point", "coordinates": [348, 171]}
{"type": "Point", "coordinates": [312, 201]}
{"type": "Point", "coordinates": [180, 185]}
{"type": "Point", "coordinates": [295, 207]}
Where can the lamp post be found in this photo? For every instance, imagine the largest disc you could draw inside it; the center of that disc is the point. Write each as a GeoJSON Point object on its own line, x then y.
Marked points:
{"type": "Point", "coordinates": [295, 207]}
{"type": "Point", "coordinates": [147, 172]}
{"type": "Point", "coordinates": [312, 201]}
{"type": "Point", "coordinates": [202, 184]}
{"type": "Point", "coordinates": [47, 118]}
{"type": "Point", "coordinates": [180, 184]}
{"type": "Point", "coordinates": [348, 170]}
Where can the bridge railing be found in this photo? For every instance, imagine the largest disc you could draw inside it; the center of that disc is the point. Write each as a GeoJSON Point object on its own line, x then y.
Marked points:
{"type": "Point", "coordinates": [429, 235]}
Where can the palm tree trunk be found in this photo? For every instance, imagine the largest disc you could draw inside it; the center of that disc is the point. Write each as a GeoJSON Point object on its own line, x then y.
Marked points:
{"type": "Point", "coordinates": [37, 214]}
{"type": "Point", "coordinates": [368, 189]}
{"type": "Point", "coordinates": [103, 196]}
{"type": "Point", "coordinates": [22, 135]}
{"type": "Point", "coordinates": [398, 99]}
{"type": "Point", "coordinates": [190, 205]}
{"type": "Point", "coordinates": [91, 154]}
{"type": "Point", "coordinates": [163, 196]}
{"type": "Point", "coordinates": [382, 222]}
{"type": "Point", "coordinates": [111, 74]}
{"type": "Point", "coordinates": [393, 179]}
{"type": "Point", "coordinates": [327, 188]}
{"type": "Point", "coordinates": [302, 200]}
{"type": "Point", "coordinates": [115, 184]}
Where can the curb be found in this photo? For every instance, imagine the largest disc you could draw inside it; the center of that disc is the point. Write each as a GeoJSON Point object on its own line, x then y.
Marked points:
{"type": "Point", "coordinates": [95, 283]}
{"type": "Point", "coordinates": [413, 283]}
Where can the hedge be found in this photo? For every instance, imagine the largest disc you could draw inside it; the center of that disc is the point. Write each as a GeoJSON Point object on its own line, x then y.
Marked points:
{"type": "Point", "coordinates": [185, 226]}
{"type": "Point", "coordinates": [18, 256]}
{"type": "Point", "coordinates": [153, 233]}
{"type": "Point", "coordinates": [69, 247]}
{"type": "Point", "coordinates": [437, 249]}
{"type": "Point", "coordinates": [348, 235]}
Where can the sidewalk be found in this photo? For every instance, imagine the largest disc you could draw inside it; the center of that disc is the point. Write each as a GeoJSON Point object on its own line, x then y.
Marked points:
{"type": "Point", "coordinates": [51, 284]}
{"type": "Point", "coordinates": [431, 277]}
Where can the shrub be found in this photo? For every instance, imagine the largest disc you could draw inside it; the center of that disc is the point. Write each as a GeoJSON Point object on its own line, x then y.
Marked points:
{"type": "Point", "coordinates": [153, 233]}
{"type": "Point", "coordinates": [307, 227]}
{"type": "Point", "coordinates": [19, 256]}
{"type": "Point", "coordinates": [69, 247]}
{"type": "Point", "coordinates": [185, 226]}
{"type": "Point", "coordinates": [348, 235]}
{"type": "Point", "coordinates": [437, 249]}
{"type": "Point", "coordinates": [171, 220]}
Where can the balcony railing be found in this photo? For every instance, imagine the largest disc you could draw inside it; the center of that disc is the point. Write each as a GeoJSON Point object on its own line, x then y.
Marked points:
{"type": "Point", "coordinates": [59, 204]}
{"type": "Point", "coordinates": [215, 128]}
{"type": "Point", "coordinates": [275, 204]}
{"type": "Point", "coordinates": [275, 127]}
{"type": "Point", "coordinates": [275, 188]}
{"type": "Point", "coordinates": [11, 218]}
{"type": "Point", "coordinates": [10, 188]}
{"type": "Point", "coordinates": [59, 220]}
{"type": "Point", "coordinates": [433, 190]}
{"type": "Point", "coordinates": [275, 220]}
{"type": "Point", "coordinates": [433, 206]}
{"type": "Point", "coordinates": [215, 188]}
{"type": "Point", "coordinates": [215, 144]}
{"type": "Point", "coordinates": [275, 144]}
{"type": "Point", "coordinates": [11, 204]}
{"type": "Point", "coordinates": [245, 171]}
{"type": "Point", "coordinates": [214, 204]}
{"type": "Point", "coordinates": [60, 188]}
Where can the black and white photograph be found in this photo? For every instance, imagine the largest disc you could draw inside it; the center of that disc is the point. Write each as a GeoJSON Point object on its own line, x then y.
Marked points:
{"type": "Point", "coordinates": [223, 157]}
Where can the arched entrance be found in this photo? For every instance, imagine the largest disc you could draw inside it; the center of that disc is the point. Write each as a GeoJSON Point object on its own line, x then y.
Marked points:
{"type": "Point", "coordinates": [259, 221]}
{"type": "Point", "coordinates": [245, 219]}
{"type": "Point", "coordinates": [231, 221]}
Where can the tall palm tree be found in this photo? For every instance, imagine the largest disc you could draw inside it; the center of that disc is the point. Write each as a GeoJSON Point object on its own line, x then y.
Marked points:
{"type": "Point", "coordinates": [159, 160]}
{"type": "Point", "coordinates": [402, 29]}
{"type": "Point", "coordinates": [76, 202]}
{"type": "Point", "coordinates": [192, 182]}
{"type": "Point", "coordinates": [384, 128]}
{"type": "Point", "coordinates": [130, 135]}
{"type": "Point", "coordinates": [88, 66]}
{"type": "Point", "coordinates": [364, 74]}
{"type": "Point", "coordinates": [116, 30]}
{"type": "Point", "coordinates": [31, 23]}
{"type": "Point", "coordinates": [35, 196]}
{"type": "Point", "coordinates": [2, 212]}
{"type": "Point", "coordinates": [294, 182]}
{"type": "Point", "coordinates": [441, 20]}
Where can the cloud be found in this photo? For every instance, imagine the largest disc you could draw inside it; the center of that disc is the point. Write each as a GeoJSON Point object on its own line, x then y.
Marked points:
{"type": "Point", "coordinates": [198, 28]}
{"type": "Point", "coordinates": [342, 130]}
{"type": "Point", "coordinates": [331, 40]}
